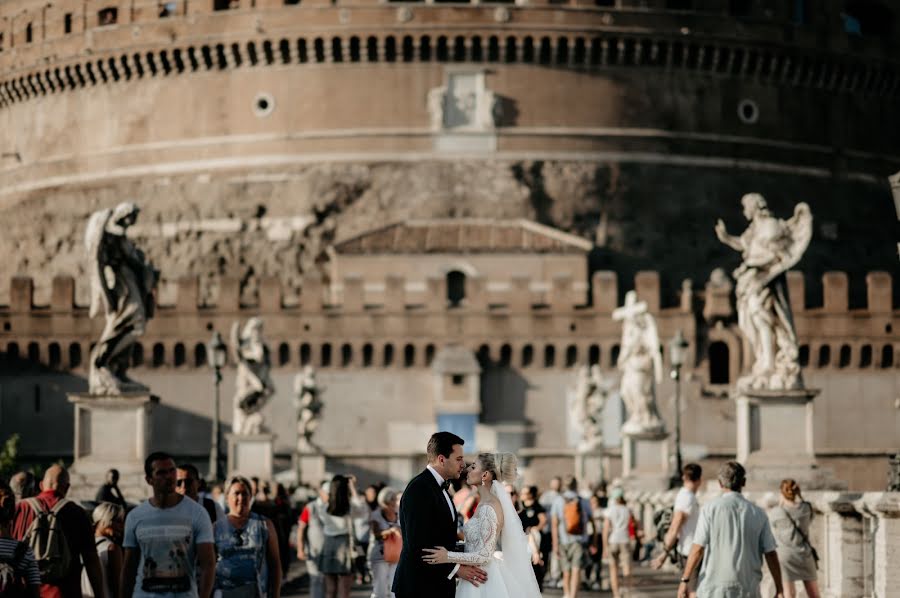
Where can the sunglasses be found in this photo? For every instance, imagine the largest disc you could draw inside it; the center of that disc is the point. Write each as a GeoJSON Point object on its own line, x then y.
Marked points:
{"type": "Point", "coordinates": [183, 482]}
{"type": "Point", "coordinates": [238, 537]}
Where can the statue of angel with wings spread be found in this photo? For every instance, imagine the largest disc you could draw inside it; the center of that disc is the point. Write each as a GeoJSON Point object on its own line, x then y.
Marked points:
{"type": "Point", "coordinates": [122, 283]}
{"type": "Point", "coordinates": [769, 247]}
{"type": "Point", "coordinates": [254, 386]}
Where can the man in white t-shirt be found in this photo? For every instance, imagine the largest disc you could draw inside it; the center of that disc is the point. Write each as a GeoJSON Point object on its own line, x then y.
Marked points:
{"type": "Point", "coordinates": [684, 521]}
{"type": "Point", "coordinates": [617, 540]}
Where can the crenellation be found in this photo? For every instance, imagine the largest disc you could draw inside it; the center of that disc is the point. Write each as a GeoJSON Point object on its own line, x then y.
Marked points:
{"type": "Point", "coordinates": [436, 293]}
{"type": "Point", "coordinates": [796, 291]}
{"type": "Point", "coordinates": [476, 293]}
{"type": "Point", "coordinates": [519, 294]}
{"type": "Point", "coordinates": [395, 292]}
{"type": "Point", "coordinates": [605, 285]}
{"type": "Point", "coordinates": [229, 299]}
{"type": "Point", "coordinates": [188, 294]}
{"type": "Point", "coordinates": [352, 294]}
{"type": "Point", "coordinates": [62, 298]}
{"type": "Point", "coordinates": [562, 295]}
{"type": "Point", "coordinates": [312, 295]}
{"type": "Point", "coordinates": [646, 284]}
{"type": "Point", "coordinates": [21, 295]}
{"type": "Point", "coordinates": [879, 295]}
{"type": "Point", "coordinates": [835, 292]}
{"type": "Point", "coordinates": [271, 294]}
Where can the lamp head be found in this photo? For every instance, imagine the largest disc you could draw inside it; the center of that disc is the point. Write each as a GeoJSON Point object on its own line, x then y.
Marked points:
{"type": "Point", "coordinates": [217, 352]}
{"type": "Point", "coordinates": [677, 349]}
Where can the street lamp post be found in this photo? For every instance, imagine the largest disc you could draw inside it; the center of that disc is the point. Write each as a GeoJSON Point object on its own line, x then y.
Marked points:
{"type": "Point", "coordinates": [216, 355]}
{"type": "Point", "coordinates": [677, 352]}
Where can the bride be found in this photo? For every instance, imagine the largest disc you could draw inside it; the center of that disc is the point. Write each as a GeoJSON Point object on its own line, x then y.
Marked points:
{"type": "Point", "coordinates": [509, 573]}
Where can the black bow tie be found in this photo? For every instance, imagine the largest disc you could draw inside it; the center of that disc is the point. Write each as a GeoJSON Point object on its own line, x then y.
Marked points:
{"type": "Point", "coordinates": [445, 486]}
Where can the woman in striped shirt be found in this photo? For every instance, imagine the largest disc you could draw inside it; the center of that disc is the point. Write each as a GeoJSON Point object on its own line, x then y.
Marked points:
{"type": "Point", "coordinates": [19, 575]}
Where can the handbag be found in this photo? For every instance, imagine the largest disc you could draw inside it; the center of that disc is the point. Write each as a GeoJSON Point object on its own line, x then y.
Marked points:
{"type": "Point", "coordinates": [812, 549]}
{"type": "Point", "coordinates": [393, 545]}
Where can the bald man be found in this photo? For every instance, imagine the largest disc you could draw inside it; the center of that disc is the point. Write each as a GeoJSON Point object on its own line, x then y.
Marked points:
{"type": "Point", "coordinates": [76, 530]}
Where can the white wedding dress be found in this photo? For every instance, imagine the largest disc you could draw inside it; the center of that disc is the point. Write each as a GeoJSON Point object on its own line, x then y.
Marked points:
{"type": "Point", "coordinates": [509, 573]}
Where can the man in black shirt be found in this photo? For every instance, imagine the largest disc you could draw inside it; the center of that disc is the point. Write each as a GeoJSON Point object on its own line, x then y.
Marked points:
{"type": "Point", "coordinates": [109, 492]}
{"type": "Point", "coordinates": [534, 521]}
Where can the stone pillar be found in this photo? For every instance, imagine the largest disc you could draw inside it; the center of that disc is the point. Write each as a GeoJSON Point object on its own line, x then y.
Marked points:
{"type": "Point", "coordinates": [251, 455]}
{"type": "Point", "coordinates": [310, 467]}
{"type": "Point", "coordinates": [589, 467]}
{"type": "Point", "coordinates": [775, 439]}
{"type": "Point", "coordinates": [645, 461]}
{"type": "Point", "coordinates": [111, 432]}
{"type": "Point", "coordinates": [886, 508]}
{"type": "Point", "coordinates": [842, 557]}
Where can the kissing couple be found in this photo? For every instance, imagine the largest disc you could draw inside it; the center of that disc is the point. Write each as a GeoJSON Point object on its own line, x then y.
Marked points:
{"type": "Point", "coordinates": [429, 565]}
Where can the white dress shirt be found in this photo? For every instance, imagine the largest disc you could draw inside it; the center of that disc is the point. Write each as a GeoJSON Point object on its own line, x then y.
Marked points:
{"type": "Point", "coordinates": [440, 482]}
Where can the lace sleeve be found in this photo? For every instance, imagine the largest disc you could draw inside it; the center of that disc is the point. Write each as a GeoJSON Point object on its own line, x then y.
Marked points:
{"type": "Point", "coordinates": [481, 540]}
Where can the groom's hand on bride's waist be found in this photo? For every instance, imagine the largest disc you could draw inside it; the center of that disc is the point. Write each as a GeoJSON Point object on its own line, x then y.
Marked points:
{"type": "Point", "coordinates": [474, 575]}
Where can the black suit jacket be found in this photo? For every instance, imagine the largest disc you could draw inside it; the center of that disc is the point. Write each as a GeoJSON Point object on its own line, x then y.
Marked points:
{"type": "Point", "coordinates": [425, 522]}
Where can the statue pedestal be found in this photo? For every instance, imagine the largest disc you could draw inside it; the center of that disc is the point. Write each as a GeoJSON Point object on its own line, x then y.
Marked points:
{"type": "Point", "coordinates": [775, 440]}
{"type": "Point", "coordinates": [310, 467]}
{"type": "Point", "coordinates": [251, 455]}
{"type": "Point", "coordinates": [589, 467]}
{"type": "Point", "coordinates": [111, 432]}
{"type": "Point", "coordinates": [645, 461]}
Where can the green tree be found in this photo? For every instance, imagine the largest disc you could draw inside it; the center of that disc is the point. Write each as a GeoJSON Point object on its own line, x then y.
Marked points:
{"type": "Point", "coordinates": [9, 455]}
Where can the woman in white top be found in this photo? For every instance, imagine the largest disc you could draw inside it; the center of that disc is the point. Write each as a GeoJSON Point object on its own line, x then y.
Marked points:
{"type": "Point", "coordinates": [617, 540]}
{"type": "Point", "coordinates": [338, 551]}
{"type": "Point", "coordinates": [109, 527]}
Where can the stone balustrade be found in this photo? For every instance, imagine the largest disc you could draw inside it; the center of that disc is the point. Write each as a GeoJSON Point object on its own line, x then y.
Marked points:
{"type": "Point", "coordinates": [857, 537]}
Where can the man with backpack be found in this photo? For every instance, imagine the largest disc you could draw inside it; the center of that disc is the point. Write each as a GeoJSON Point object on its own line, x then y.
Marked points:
{"type": "Point", "coordinates": [60, 536]}
{"type": "Point", "coordinates": [570, 516]}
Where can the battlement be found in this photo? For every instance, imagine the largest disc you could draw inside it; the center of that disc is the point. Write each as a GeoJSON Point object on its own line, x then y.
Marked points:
{"type": "Point", "coordinates": [520, 294]}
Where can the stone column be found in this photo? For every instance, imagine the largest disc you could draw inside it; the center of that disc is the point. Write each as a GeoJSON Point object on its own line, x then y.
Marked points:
{"type": "Point", "coordinates": [111, 432]}
{"type": "Point", "coordinates": [251, 455]}
{"type": "Point", "coordinates": [842, 552]}
{"type": "Point", "coordinates": [886, 537]}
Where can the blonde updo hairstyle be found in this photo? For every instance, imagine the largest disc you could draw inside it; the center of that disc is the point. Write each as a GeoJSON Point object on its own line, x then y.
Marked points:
{"type": "Point", "coordinates": [502, 466]}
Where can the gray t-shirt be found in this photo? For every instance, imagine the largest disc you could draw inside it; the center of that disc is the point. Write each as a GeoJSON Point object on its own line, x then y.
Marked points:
{"type": "Point", "coordinates": [558, 511]}
{"type": "Point", "coordinates": [735, 534]}
{"type": "Point", "coordinates": [167, 540]}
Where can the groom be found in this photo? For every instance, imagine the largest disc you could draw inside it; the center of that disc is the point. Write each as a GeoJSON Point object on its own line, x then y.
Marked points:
{"type": "Point", "coordinates": [428, 519]}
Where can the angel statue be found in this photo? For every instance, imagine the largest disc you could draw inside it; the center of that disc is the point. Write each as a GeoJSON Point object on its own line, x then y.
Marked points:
{"type": "Point", "coordinates": [309, 407]}
{"type": "Point", "coordinates": [122, 283]}
{"type": "Point", "coordinates": [769, 247]}
{"type": "Point", "coordinates": [591, 393]}
{"type": "Point", "coordinates": [254, 384]}
{"type": "Point", "coordinates": [641, 363]}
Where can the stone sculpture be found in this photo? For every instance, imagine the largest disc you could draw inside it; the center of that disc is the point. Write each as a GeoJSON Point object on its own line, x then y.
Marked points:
{"type": "Point", "coordinates": [769, 247]}
{"type": "Point", "coordinates": [591, 393]}
{"type": "Point", "coordinates": [309, 408]}
{"type": "Point", "coordinates": [640, 361]}
{"type": "Point", "coordinates": [122, 283]}
{"type": "Point", "coordinates": [254, 385]}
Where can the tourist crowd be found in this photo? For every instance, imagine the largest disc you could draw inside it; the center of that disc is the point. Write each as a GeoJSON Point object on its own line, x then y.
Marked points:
{"type": "Point", "coordinates": [234, 541]}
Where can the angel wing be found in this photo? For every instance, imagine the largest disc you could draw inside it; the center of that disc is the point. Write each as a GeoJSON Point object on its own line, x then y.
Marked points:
{"type": "Point", "coordinates": [101, 296]}
{"type": "Point", "coordinates": [798, 228]}
{"type": "Point", "coordinates": [651, 338]}
{"type": "Point", "coordinates": [235, 344]}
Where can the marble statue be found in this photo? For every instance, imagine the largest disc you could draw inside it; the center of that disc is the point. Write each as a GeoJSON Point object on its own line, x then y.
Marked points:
{"type": "Point", "coordinates": [122, 283]}
{"type": "Point", "coordinates": [640, 361]}
{"type": "Point", "coordinates": [309, 408]}
{"type": "Point", "coordinates": [436, 99]}
{"type": "Point", "coordinates": [590, 396]}
{"type": "Point", "coordinates": [254, 385]}
{"type": "Point", "coordinates": [769, 247]}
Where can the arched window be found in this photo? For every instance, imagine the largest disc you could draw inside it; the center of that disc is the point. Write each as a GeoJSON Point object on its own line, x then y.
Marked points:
{"type": "Point", "coordinates": [549, 356]}
{"type": "Point", "coordinates": [527, 355]}
{"type": "Point", "coordinates": [887, 356]}
{"type": "Point", "coordinates": [34, 353]}
{"type": "Point", "coordinates": [284, 354]}
{"type": "Point", "coordinates": [571, 356]}
{"type": "Point", "coordinates": [346, 355]}
{"type": "Point", "coordinates": [844, 356]}
{"type": "Point", "coordinates": [200, 355]}
{"type": "Point", "coordinates": [456, 287]}
{"type": "Point", "coordinates": [865, 356]}
{"type": "Point", "coordinates": [719, 372]}
{"type": "Point", "coordinates": [388, 359]}
{"type": "Point", "coordinates": [409, 356]}
{"type": "Point", "coordinates": [804, 355]}
{"type": "Point", "coordinates": [505, 355]}
{"type": "Point", "coordinates": [367, 355]}
{"type": "Point", "coordinates": [159, 355]}
{"type": "Point", "coordinates": [824, 356]}
{"type": "Point", "coordinates": [179, 356]}
{"type": "Point", "coordinates": [484, 356]}
{"type": "Point", "coordinates": [594, 355]}
{"type": "Point", "coordinates": [429, 354]}
{"type": "Point", "coordinates": [74, 355]}
{"type": "Point", "coordinates": [137, 355]}
{"type": "Point", "coordinates": [305, 354]}
{"type": "Point", "coordinates": [54, 355]}
{"type": "Point", "coordinates": [614, 355]}
{"type": "Point", "coordinates": [12, 351]}
{"type": "Point", "coordinates": [326, 355]}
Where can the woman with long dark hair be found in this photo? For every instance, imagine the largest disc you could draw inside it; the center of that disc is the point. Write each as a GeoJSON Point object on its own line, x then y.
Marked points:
{"type": "Point", "coordinates": [338, 551]}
